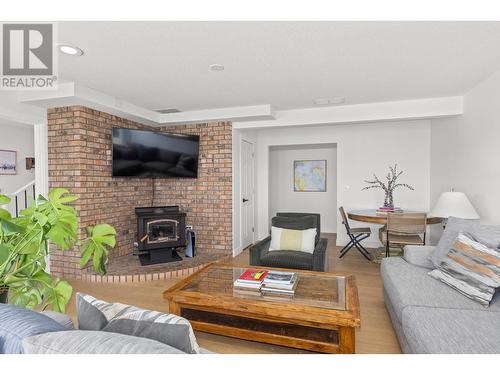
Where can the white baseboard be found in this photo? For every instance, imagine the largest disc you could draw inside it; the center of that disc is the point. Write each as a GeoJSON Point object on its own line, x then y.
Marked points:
{"type": "Point", "coordinates": [237, 251]}
{"type": "Point", "coordinates": [329, 230]}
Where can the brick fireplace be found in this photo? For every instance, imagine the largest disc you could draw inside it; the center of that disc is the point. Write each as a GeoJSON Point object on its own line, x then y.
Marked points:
{"type": "Point", "coordinates": [79, 142]}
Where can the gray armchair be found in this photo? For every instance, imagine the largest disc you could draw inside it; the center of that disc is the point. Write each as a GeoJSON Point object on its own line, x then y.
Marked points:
{"type": "Point", "coordinates": [317, 261]}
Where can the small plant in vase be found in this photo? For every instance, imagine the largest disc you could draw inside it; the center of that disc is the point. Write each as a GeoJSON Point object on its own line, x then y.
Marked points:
{"type": "Point", "coordinates": [388, 186]}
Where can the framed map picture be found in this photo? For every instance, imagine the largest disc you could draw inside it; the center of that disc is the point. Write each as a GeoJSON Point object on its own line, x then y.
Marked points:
{"type": "Point", "coordinates": [8, 162]}
{"type": "Point", "coordinates": [309, 175]}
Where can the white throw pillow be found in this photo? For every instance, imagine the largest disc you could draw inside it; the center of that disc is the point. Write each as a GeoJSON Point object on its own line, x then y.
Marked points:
{"type": "Point", "coordinates": [291, 239]}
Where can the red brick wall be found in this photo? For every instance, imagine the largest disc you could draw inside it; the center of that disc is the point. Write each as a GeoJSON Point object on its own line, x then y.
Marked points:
{"type": "Point", "coordinates": [207, 200]}
{"type": "Point", "coordinates": [79, 142]}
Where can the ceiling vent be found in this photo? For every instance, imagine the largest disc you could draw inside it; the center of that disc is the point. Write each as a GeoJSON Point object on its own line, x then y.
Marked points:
{"type": "Point", "coordinates": [168, 110]}
{"type": "Point", "coordinates": [329, 101]}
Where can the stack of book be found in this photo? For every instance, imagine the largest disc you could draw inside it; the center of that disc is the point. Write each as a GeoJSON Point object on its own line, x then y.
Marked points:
{"type": "Point", "coordinates": [278, 283]}
{"type": "Point", "coordinates": [249, 282]}
{"type": "Point", "coordinates": [386, 210]}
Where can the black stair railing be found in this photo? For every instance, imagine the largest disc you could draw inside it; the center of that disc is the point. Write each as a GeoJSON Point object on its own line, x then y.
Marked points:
{"type": "Point", "coordinates": [30, 189]}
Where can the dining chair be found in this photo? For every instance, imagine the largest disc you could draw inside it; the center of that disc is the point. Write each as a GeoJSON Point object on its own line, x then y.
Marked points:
{"type": "Point", "coordinates": [405, 229]}
{"type": "Point", "coordinates": [356, 235]}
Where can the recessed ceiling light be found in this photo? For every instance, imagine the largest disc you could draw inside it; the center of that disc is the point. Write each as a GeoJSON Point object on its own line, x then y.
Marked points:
{"type": "Point", "coordinates": [329, 101]}
{"type": "Point", "coordinates": [216, 67]}
{"type": "Point", "coordinates": [70, 50]}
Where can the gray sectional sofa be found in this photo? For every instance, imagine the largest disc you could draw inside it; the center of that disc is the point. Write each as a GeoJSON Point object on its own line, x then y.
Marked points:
{"type": "Point", "coordinates": [429, 316]}
{"type": "Point", "coordinates": [24, 331]}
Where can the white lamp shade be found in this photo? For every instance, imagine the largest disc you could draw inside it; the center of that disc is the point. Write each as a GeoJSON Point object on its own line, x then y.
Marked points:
{"type": "Point", "coordinates": [454, 203]}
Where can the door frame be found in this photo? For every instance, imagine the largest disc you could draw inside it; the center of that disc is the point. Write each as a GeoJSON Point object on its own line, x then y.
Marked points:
{"type": "Point", "coordinates": [252, 198]}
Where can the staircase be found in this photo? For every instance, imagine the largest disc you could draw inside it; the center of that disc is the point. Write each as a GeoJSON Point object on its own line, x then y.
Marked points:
{"type": "Point", "coordinates": [21, 198]}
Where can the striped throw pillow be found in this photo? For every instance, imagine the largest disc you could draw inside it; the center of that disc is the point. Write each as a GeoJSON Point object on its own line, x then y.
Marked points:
{"type": "Point", "coordinates": [471, 268]}
{"type": "Point", "coordinates": [170, 329]}
{"type": "Point", "coordinates": [291, 239]}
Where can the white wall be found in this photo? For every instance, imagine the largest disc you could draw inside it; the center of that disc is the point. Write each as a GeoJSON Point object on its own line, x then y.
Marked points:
{"type": "Point", "coordinates": [282, 196]}
{"type": "Point", "coordinates": [18, 138]}
{"type": "Point", "coordinates": [362, 149]}
{"type": "Point", "coordinates": [466, 151]}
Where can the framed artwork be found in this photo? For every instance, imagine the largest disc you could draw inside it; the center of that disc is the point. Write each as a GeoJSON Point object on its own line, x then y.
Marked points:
{"type": "Point", "coordinates": [8, 161]}
{"type": "Point", "coordinates": [309, 175]}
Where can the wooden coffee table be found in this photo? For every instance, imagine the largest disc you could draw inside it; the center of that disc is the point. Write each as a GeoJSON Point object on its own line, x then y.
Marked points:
{"type": "Point", "coordinates": [321, 317]}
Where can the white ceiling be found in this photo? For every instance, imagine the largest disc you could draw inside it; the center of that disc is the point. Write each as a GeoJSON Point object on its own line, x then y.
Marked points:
{"type": "Point", "coordinates": [161, 65]}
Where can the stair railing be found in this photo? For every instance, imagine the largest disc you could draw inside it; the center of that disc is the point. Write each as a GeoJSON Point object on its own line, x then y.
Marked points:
{"type": "Point", "coordinates": [20, 198]}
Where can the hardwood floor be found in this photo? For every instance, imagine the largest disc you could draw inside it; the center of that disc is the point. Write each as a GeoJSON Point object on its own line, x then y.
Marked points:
{"type": "Point", "coordinates": [376, 334]}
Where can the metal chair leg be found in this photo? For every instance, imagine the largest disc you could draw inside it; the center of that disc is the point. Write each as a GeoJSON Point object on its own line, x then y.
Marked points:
{"type": "Point", "coordinates": [346, 246]}
{"type": "Point", "coordinates": [364, 253]}
{"type": "Point", "coordinates": [363, 250]}
{"type": "Point", "coordinates": [346, 250]}
{"type": "Point", "coordinates": [356, 242]}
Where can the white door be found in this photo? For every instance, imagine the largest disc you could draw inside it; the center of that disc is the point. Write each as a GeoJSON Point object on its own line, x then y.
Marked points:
{"type": "Point", "coordinates": [247, 193]}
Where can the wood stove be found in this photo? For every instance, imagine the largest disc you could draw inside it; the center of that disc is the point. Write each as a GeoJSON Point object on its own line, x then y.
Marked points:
{"type": "Point", "coordinates": [160, 230]}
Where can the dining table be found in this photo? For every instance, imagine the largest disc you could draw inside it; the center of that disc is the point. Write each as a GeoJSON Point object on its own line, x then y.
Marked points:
{"type": "Point", "coordinates": [374, 217]}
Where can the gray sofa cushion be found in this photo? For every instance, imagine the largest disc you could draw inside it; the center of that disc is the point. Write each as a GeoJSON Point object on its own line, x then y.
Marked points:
{"type": "Point", "coordinates": [287, 259]}
{"type": "Point", "coordinates": [93, 342]}
{"type": "Point", "coordinates": [398, 327]}
{"type": "Point", "coordinates": [167, 328]}
{"type": "Point", "coordinates": [16, 323]}
{"type": "Point", "coordinates": [419, 255]}
{"type": "Point", "coordinates": [408, 285]}
{"type": "Point", "coordinates": [453, 227]}
{"type": "Point", "coordinates": [488, 235]}
{"type": "Point", "coordinates": [431, 330]}
{"type": "Point", "coordinates": [60, 318]}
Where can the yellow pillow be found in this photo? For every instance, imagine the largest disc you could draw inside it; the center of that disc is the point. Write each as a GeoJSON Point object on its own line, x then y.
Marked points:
{"type": "Point", "coordinates": [291, 239]}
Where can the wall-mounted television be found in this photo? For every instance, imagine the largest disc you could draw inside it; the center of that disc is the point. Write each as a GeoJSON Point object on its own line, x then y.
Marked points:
{"type": "Point", "coordinates": [149, 154]}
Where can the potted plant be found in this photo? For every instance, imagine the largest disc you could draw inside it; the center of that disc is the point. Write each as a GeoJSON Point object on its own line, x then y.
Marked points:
{"type": "Point", "coordinates": [389, 186]}
{"type": "Point", "coordinates": [24, 248]}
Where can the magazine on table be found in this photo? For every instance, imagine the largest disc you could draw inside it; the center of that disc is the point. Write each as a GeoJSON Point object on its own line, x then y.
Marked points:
{"type": "Point", "coordinates": [252, 276]}
{"type": "Point", "coordinates": [242, 284]}
{"type": "Point", "coordinates": [280, 286]}
{"type": "Point", "coordinates": [280, 277]}
{"type": "Point", "coordinates": [250, 279]}
{"type": "Point", "coordinates": [266, 289]}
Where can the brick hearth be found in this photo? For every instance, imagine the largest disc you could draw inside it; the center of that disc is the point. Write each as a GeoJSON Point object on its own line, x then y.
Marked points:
{"type": "Point", "coordinates": [128, 269]}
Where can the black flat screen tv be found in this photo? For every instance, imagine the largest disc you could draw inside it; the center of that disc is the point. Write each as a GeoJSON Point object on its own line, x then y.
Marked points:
{"type": "Point", "coordinates": [148, 154]}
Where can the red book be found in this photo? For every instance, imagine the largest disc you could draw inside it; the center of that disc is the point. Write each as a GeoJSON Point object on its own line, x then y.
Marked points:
{"type": "Point", "coordinates": [253, 275]}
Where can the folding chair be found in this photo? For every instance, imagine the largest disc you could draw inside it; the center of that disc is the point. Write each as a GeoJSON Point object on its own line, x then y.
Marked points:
{"type": "Point", "coordinates": [356, 235]}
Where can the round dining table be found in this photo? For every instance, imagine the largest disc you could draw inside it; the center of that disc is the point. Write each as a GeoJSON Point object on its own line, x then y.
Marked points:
{"type": "Point", "coordinates": [371, 216]}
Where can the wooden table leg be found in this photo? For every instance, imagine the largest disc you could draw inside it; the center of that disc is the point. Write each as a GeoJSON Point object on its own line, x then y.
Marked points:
{"type": "Point", "coordinates": [347, 340]}
{"type": "Point", "coordinates": [174, 308]}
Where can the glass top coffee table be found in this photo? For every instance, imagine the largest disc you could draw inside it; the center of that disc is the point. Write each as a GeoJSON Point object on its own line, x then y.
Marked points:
{"type": "Point", "coordinates": [321, 316]}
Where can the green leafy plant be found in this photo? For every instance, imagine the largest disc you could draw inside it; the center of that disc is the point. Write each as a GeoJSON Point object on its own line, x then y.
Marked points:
{"type": "Point", "coordinates": [24, 248]}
